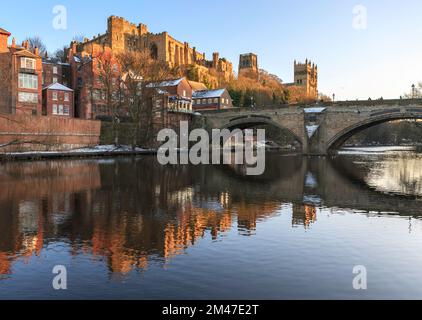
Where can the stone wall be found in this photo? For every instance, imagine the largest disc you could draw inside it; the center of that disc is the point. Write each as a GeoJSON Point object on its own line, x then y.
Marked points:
{"type": "Point", "coordinates": [27, 133]}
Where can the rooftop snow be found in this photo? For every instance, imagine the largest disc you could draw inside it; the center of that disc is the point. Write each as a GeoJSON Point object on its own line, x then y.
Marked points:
{"type": "Point", "coordinates": [167, 83]}
{"type": "Point", "coordinates": [312, 130]}
{"type": "Point", "coordinates": [58, 86]}
{"type": "Point", "coordinates": [208, 93]}
{"type": "Point", "coordinates": [314, 110]}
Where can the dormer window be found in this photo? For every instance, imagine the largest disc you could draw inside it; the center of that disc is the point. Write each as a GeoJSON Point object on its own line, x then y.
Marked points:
{"type": "Point", "coordinates": [28, 63]}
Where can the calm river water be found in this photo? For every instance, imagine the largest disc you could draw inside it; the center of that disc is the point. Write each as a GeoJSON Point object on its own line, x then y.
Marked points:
{"type": "Point", "coordinates": [130, 228]}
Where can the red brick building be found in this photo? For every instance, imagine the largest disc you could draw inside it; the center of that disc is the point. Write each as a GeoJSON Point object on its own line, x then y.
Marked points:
{"type": "Point", "coordinates": [58, 101]}
{"type": "Point", "coordinates": [94, 75]}
{"type": "Point", "coordinates": [20, 77]}
{"type": "Point", "coordinates": [55, 72]}
{"type": "Point", "coordinates": [172, 102]}
{"type": "Point", "coordinates": [212, 100]}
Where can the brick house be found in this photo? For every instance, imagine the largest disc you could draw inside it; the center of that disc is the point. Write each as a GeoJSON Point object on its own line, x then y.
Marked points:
{"type": "Point", "coordinates": [55, 72]}
{"type": "Point", "coordinates": [172, 102]}
{"type": "Point", "coordinates": [89, 82]}
{"type": "Point", "coordinates": [58, 101]}
{"type": "Point", "coordinates": [212, 100]}
{"type": "Point", "coordinates": [20, 77]}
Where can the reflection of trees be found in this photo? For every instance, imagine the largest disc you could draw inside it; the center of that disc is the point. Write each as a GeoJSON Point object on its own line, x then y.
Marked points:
{"type": "Point", "coordinates": [130, 212]}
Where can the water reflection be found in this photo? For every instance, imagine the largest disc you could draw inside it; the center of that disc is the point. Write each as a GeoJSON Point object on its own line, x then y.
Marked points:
{"type": "Point", "coordinates": [133, 212]}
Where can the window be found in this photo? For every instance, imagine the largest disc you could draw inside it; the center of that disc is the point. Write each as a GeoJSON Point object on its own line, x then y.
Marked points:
{"type": "Point", "coordinates": [55, 80]}
{"type": "Point", "coordinates": [66, 110]}
{"type": "Point", "coordinates": [28, 63]}
{"type": "Point", "coordinates": [215, 100]}
{"type": "Point", "coordinates": [184, 93]}
{"type": "Point", "coordinates": [54, 108]}
{"type": "Point", "coordinates": [55, 96]}
{"type": "Point", "coordinates": [27, 97]}
{"type": "Point", "coordinates": [60, 109]}
{"type": "Point", "coordinates": [55, 71]}
{"type": "Point", "coordinates": [66, 97]}
{"type": "Point", "coordinates": [209, 101]}
{"type": "Point", "coordinates": [28, 81]}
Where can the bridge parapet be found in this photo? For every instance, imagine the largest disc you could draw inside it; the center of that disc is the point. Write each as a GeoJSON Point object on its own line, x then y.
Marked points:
{"type": "Point", "coordinates": [330, 128]}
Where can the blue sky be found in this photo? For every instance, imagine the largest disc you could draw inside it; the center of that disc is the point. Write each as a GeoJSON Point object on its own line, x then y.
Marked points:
{"type": "Point", "coordinates": [382, 60]}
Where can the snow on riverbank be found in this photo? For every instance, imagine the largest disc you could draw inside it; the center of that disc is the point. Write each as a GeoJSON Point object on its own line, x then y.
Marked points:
{"type": "Point", "coordinates": [374, 150]}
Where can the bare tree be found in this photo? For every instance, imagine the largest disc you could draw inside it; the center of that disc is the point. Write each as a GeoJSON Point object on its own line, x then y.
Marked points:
{"type": "Point", "coordinates": [109, 78]}
{"type": "Point", "coordinates": [415, 93]}
{"type": "Point", "coordinates": [37, 42]}
{"type": "Point", "coordinates": [61, 54]}
{"type": "Point", "coordinates": [79, 38]}
{"type": "Point", "coordinates": [138, 69]}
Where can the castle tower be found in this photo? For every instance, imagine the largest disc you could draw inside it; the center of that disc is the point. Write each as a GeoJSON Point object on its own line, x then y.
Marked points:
{"type": "Point", "coordinates": [248, 66]}
{"type": "Point", "coordinates": [306, 76]}
{"type": "Point", "coordinates": [215, 60]}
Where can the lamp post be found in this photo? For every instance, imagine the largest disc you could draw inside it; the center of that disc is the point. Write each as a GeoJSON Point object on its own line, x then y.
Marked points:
{"type": "Point", "coordinates": [413, 91]}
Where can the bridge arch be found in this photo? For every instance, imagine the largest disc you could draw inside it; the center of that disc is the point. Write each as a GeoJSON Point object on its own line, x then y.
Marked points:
{"type": "Point", "coordinates": [251, 121]}
{"type": "Point", "coordinates": [340, 138]}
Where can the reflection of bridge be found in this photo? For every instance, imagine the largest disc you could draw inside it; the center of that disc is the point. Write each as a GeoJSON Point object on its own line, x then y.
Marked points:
{"type": "Point", "coordinates": [322, 128]}
{"type": "Point", "coordinates": [323, 182]}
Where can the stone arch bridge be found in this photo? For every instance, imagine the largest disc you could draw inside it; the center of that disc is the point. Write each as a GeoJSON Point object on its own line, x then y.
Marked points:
{"type": "Point", "coordinates": [320, 128]}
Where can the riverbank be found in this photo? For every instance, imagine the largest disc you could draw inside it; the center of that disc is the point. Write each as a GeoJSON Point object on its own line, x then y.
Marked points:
{"type": "Point", "coordinates": [98, 151]}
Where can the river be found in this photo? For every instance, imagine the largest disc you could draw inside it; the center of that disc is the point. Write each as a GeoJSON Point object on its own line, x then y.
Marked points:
{"type": "Point", "coordinates": [129, 228]}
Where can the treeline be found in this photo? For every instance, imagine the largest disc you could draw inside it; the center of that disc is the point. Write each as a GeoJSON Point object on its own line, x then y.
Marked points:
{"type": "Point", "coordinates": [248, 92]}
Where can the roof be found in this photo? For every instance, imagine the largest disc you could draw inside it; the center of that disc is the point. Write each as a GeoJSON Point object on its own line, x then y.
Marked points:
{"type": "Point", "coordinates": [166, 83]}
{"type": "Point", "coordinates": [26, 53]}
{"type": "Point", "coordinates": [197, 86]}
{"type": "Point", "coordinates": [208, 93]}
{"type": "Point", "coordinates": [2, 31]}
{"type": "Point", "coordinates": [57, 86]}
{"type": "Point", "coordinates": [55, 63]}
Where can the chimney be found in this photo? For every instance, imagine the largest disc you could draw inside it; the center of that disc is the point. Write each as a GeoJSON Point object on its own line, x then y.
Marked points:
{"type": "Point", "coordinates": [37, 51]}
{"type": "Point", "coordinates": [13, 43]}
{"type": "Point", "coordinates": [4, 38]}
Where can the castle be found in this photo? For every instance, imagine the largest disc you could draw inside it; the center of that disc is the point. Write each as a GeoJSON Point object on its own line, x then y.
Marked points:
{"type": "Point", "coordinates": [123, 36]}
